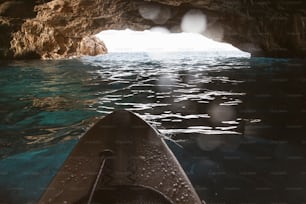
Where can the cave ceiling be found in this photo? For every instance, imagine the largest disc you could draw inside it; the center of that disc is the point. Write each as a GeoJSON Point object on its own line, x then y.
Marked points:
{"type": "Point", "coordinates": [62, 28]}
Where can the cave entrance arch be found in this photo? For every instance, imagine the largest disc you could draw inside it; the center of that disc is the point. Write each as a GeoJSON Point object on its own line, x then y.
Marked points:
{"type": "Point", "coordinates": [162, 41]}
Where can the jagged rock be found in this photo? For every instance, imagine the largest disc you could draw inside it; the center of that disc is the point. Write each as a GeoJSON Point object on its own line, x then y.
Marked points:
{"type": "Point", "coordinates": [61, 28]}
{"type": "Point", "coordinates": [17, 9]}
{"type": "Point", "coordinates": [91, 46]}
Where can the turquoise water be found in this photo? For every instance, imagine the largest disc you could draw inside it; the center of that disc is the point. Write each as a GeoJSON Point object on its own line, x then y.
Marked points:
{"type": "Point", "coordinates": [240, 121]}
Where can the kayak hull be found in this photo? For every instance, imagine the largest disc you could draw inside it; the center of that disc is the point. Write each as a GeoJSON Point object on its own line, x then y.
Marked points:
{"type": "Point", "coordinates": [121, 159]}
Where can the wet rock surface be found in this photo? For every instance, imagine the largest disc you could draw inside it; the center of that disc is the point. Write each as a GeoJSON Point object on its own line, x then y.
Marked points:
{"type": "Point", "coordinates": [58, 29]}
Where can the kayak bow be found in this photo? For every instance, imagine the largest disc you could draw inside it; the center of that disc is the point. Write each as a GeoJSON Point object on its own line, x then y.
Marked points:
{"type": "Point", "coordinates": [121, 159]}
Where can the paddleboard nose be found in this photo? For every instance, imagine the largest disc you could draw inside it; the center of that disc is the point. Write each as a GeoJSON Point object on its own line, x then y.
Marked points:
{"type": "Point", "coordinates": [121, 118]}
{"type": "Point", "coordinates": [126, 162]}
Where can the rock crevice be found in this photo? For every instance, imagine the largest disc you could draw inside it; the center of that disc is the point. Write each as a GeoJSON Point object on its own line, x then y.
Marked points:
{"type": "Point", "coordinates": [62, 29]}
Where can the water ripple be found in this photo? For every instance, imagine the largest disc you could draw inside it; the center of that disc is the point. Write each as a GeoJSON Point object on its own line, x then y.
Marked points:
{"type": "Point", "coordinates": [175, 94]}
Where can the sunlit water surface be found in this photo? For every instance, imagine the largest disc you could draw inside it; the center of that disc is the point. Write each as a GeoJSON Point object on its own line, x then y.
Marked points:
{"type": "Point", "coordinates": [238, 124]}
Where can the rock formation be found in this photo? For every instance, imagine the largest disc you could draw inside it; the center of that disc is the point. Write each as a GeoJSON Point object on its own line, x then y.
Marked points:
{"type": "Point", "coordinates": [64, 28]}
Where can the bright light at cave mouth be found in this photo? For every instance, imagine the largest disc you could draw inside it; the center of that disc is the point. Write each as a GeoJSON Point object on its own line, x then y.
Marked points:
{"type": "Point", "coordinates": [158, 41]}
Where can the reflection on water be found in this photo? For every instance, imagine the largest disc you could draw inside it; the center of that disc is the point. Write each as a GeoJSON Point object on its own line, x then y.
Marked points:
{"type": "Point", "coordinates": [239, 123]}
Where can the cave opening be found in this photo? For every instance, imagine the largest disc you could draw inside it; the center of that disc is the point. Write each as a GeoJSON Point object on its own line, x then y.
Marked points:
{"type": "Point", "coordinates": [193, 33]}
{"type": "Point", "coordinates": [161, 40]}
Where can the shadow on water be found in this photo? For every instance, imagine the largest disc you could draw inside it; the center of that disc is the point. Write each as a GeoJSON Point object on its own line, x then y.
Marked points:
{"type": "Point", "coordinates": [266, 162]}
{"type": "Point", "coordinates": [24, 176]}
{"type": "Point", "coordinates": [239, 122]}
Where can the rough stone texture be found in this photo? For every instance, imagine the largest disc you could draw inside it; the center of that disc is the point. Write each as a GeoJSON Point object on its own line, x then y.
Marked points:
{"type": "Point", "coordinates": [61, 28]}
{"type": "Point", "coordinates": [91, 46]}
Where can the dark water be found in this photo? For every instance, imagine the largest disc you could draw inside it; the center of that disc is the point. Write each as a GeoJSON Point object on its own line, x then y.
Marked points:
{"type": "Point", "coordinates": [239, 123]}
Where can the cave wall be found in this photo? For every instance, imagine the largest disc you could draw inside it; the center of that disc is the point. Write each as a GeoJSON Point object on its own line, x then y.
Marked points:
{"type": "Point", "coordinates": [64, 28]}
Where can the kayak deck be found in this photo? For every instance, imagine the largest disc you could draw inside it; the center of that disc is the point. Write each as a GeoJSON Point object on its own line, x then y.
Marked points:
{"type": "Point", "coordinates": [127, 194]}
{"type": "Point", "coordinates": [121, 159]}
